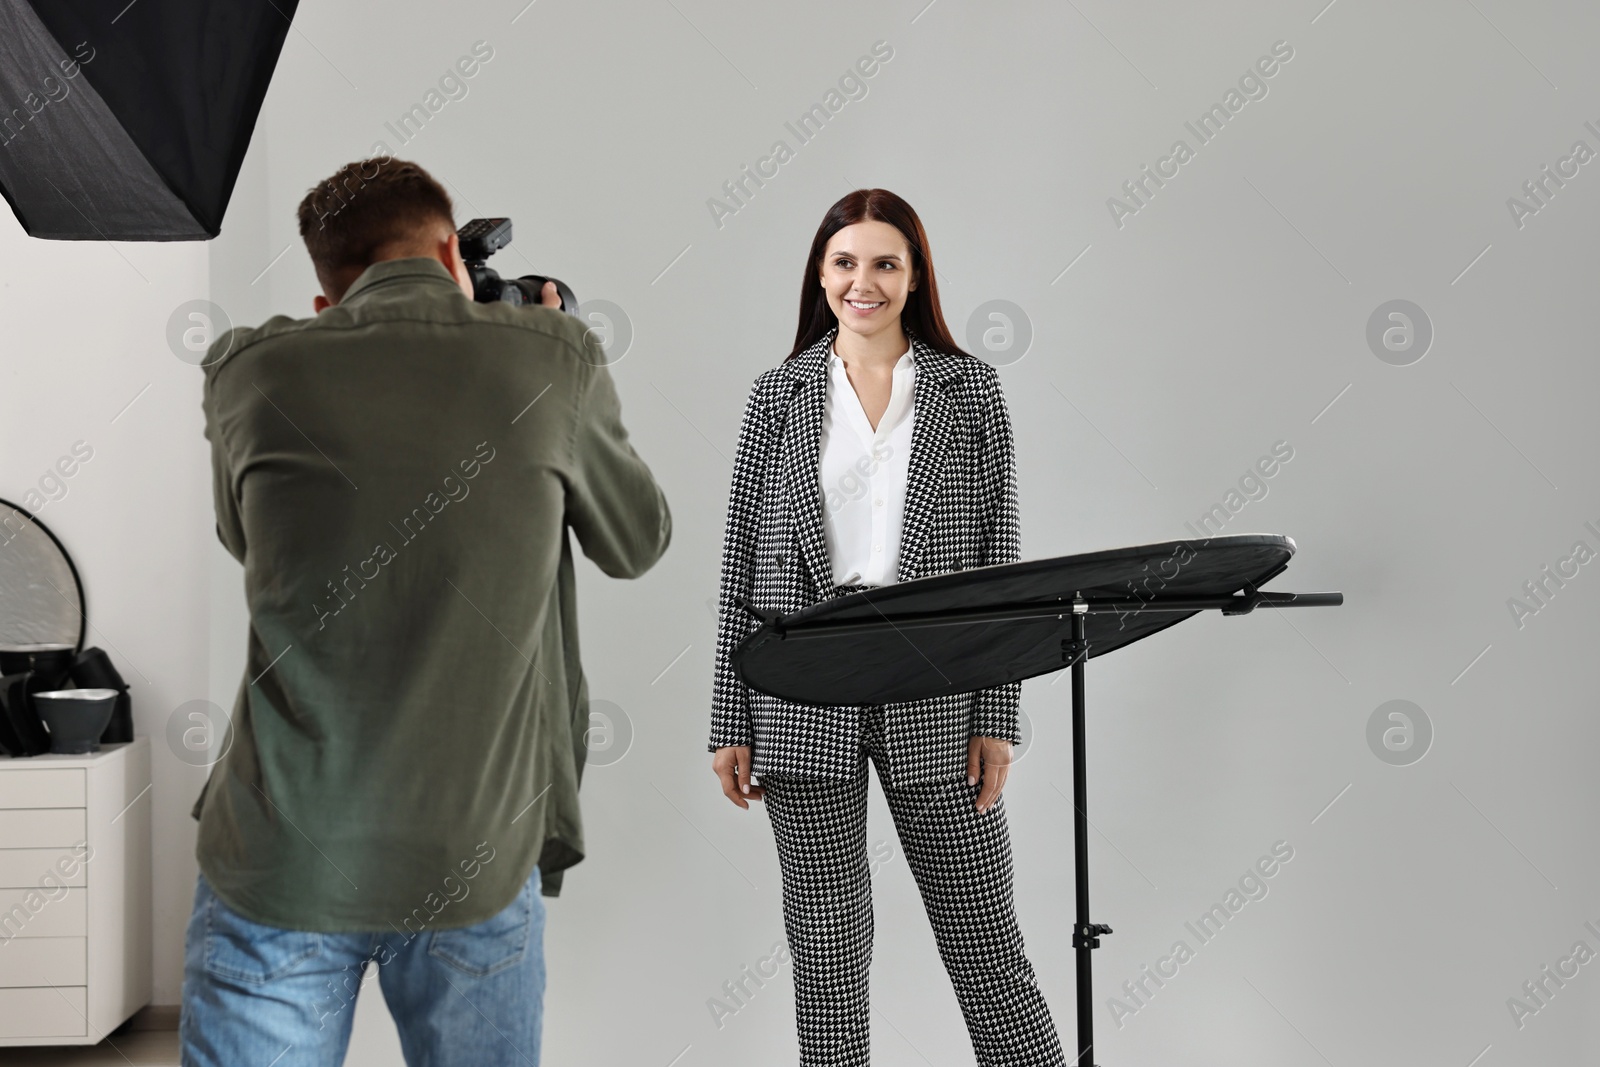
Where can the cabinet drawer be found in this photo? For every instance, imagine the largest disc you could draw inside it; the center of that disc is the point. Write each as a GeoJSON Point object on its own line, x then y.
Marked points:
{"type": "Point", "coordinates": [44, 1012]}
{"type": "Point", "coordinates": [58, 788]}
{"type": "Point", "coordinates": [41, 828]}
{"type": "Point", "coordinates": [25, 868]}
{"type": "Point", "coordinates": [30, 913]}
{"type": "Point", "coordinates": [39, 961]}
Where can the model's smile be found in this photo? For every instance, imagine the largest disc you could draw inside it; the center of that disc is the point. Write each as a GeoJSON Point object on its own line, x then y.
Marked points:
{"type": "Point", "coordinates": [866, 307]}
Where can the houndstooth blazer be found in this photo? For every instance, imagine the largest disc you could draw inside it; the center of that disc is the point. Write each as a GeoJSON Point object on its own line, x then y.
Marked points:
{"type": "Point", "coordinates": [960, 513]}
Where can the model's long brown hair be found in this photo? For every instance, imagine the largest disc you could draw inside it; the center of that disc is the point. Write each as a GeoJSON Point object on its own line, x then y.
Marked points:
{"type": "Point", "coordinates": [921, 317]}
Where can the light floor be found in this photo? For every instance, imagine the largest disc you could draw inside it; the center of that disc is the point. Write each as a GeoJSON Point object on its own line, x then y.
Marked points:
{"type": "Point", "coordinates": [140, 1048]}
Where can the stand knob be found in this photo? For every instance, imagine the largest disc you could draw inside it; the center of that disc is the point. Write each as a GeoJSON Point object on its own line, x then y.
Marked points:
{"type": "Point", "coordinates": [1073, 650]}
{"type": "Point", "coordinates": [1088, 934]}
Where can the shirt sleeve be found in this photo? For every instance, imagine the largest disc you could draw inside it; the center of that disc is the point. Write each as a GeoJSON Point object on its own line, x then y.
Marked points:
{"type": "Point", "coordinates": [730, 697]}
{"type": "Point", "coordinates": [224, 491]}
{"type": "Point", "coordinates": [994, 713]}
{"type": "Point", "coordinates": [614, 505]}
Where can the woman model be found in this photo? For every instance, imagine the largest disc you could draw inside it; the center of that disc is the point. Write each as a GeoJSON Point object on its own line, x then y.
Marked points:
{"type": "Point", "coordinates": [877, 452]}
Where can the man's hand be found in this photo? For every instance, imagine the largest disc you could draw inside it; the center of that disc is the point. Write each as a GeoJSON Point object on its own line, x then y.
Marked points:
{"type": "Point", "coordinates": [732, 767]}
{"type": "Point", "coordinates": [989, 757]}
{"type": "Point", "coordinates": [549, 297]}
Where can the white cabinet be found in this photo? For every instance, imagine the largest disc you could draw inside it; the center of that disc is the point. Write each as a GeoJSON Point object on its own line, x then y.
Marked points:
{"type": "Point", "coordinates": [74, 894]}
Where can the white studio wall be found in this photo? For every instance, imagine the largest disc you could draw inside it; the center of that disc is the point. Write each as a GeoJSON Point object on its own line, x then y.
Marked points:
{"type": "Point", "coordinates": [88, 365]}
{"type": "Point", "coordinates": [1157, 337]}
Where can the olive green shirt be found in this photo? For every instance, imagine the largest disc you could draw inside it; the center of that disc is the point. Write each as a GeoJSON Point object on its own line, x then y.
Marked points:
{"type": "Point", "coordinates": [397, 476]}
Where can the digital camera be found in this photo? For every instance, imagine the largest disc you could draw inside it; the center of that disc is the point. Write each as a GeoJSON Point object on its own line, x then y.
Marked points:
{"type": "Point", "coordinates": [482, 238]}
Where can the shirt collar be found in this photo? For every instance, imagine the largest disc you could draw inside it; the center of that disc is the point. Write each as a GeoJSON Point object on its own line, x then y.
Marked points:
{"type": "Point", "coordinates": [411, 270]}
{"type": "Point", "coordinates": [939, 367]}
{"type": "Point", "coordinates": [907, 359]}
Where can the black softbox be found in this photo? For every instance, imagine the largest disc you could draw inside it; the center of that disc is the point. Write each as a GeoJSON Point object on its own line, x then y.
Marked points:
{"type": "Point", "coordinates": [129, 121]}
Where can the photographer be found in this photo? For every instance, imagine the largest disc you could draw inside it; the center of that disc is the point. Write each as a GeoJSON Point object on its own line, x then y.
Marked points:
{"type": "Point", "coordinates": [400, 783]}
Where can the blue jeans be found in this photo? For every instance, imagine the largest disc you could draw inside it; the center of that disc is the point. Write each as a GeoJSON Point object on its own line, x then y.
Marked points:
{"type": "Point", "coordinates": [255, 995]}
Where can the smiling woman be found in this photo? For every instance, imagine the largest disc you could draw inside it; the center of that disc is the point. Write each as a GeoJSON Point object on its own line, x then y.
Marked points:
{"type": "Point", "coordinates": [875, 395]}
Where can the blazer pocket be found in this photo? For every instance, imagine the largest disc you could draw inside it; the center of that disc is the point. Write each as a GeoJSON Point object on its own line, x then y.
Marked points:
{"type": "Point", "coordinates": [491, 946]}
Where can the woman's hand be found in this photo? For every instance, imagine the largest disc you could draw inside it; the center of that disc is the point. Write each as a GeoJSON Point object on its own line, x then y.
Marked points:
{"type": "Point", "coordinates": [990, 756]}
{"type": "Point", "coordinates": [732, 767]}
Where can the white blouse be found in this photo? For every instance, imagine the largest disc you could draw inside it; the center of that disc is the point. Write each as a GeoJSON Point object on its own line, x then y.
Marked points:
{"type": "Point", "coordinates": [862, 476]}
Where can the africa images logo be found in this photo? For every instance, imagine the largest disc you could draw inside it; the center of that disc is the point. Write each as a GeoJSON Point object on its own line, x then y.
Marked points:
{"type": "Point", "coordinates": [411, 527]}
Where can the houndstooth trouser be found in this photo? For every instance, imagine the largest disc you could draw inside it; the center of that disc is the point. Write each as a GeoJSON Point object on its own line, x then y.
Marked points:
{"type": "Point", "coordinates": [962, 864]}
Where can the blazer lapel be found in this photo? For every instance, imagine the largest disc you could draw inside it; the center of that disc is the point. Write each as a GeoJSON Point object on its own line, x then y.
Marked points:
{"type": "Point", "coordinates": [930, 446]}
{"type": "Point", "coordinates": [801, 452]}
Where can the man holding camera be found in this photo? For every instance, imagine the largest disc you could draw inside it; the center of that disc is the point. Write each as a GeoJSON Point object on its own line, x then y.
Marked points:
{"type": "Point", "coordinates": [397, 475]}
